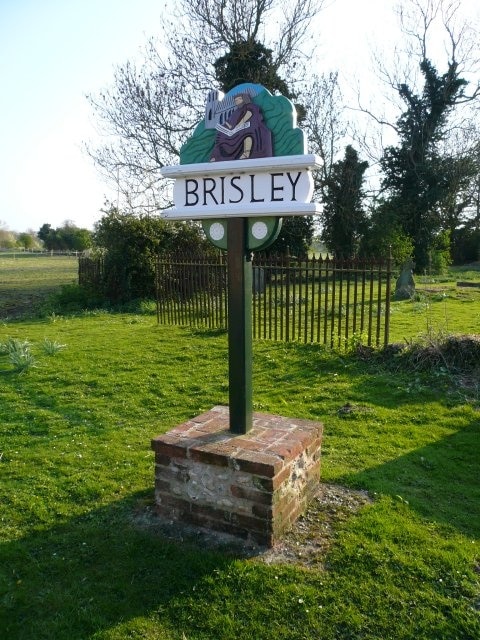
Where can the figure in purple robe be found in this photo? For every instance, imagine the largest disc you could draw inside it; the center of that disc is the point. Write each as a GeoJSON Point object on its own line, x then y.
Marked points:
{"type": "Point", "coordinates": [244, 135]}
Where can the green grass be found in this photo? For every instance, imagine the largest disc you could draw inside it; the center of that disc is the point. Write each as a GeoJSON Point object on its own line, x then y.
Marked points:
{"type": "Point", "coordinates": [440, 306]}
{"type": "Point", "coordinates": [76, 468]}
{"type": "Point", "coordinates": [76, 476]}
{"type": "Point", "coordinates": [26, 279]}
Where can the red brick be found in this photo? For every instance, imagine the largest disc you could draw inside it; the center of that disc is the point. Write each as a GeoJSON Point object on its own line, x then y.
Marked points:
{"type": "Point", "coordinates": [170, 446]}
{"type": "Point", "coordinates": [216, 424]}
{"type": "Point", "coordinates": [271, 435]}
{"type": "Point", "coordinates": [211, 512]}
{"type": "Point", "coordinates": [260, 497]}
{"type": "Point", "coordinates": [257, 463]}
{"type": "Point", "coordinates": [208, 457]}
{"type": "Point", "coordinates": [262, 511]}
{"type": "Point", "coordinates": [283, 475]}
{"type": "Point", "coordinates": [267, 452]}
{"type": "Point", "coordinates": [287, 449]}
{"type": "Point", "coordinates": [252, 524]}
{"type": "Point", "coordinates": [171, 507]}
{"type": "Point", "coordinates": [182, 429]}
{"type": "Point", "coordinates": [250, 445]}
{"type": "Point", "coordinates": [314, 447]}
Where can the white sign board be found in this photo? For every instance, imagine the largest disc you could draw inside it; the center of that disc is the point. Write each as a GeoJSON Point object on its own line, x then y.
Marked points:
{"type": "Point", "coordinates": [276, 186]}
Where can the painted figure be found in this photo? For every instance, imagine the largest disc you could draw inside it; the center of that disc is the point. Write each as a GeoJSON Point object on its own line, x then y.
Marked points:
{"type": "Point", "coordinates": [244, 134]}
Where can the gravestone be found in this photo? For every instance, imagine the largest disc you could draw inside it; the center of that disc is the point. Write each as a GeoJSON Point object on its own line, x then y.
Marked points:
{"type": "Point", "coordinates": [405, 284]}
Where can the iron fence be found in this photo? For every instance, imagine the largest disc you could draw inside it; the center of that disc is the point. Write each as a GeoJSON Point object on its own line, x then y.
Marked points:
{"type": "Point", "coordinates": [319, 300]}
{"type": "Point", "coordinates": [90, 271]}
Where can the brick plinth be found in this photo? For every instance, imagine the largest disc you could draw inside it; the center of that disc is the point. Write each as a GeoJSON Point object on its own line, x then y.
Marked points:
{"type": "Point", "coordinates": [253, 486]}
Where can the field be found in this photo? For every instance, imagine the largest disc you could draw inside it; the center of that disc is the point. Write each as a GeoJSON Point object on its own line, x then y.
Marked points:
{"type": "Point", "coordinates": [82, 555]}
{"type": "Point", "coordinates": [27, 279]}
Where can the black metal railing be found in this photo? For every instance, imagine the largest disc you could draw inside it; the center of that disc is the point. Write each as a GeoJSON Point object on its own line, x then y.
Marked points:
{"type": "Point", "coordinates": [315, 300]}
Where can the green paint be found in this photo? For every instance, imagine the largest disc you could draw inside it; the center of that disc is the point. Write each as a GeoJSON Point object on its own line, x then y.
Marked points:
{"type": "Point", "coordinates": [216, 231]}
{"type": "Point", "coordinates": [280, 117]}
{"type": "Point", "coordinates": [239, 327]}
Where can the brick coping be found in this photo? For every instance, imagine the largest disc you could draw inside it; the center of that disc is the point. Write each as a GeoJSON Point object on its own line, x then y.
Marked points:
{"type": "Point", "coordinates": [272, 443]}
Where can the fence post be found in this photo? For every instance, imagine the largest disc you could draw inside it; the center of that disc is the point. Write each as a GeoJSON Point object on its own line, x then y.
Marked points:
{"type": "Point", "coordinates": [388, 293]}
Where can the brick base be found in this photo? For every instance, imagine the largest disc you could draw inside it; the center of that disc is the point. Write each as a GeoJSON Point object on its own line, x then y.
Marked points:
{"type": "Point", "coordinates": [253, 486]}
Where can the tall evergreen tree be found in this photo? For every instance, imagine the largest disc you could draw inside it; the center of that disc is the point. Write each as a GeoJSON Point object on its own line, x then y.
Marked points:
{"type": "Point", "coordinates": [417, 178]}
{"type": "Point", "coordinates": [343, 215]}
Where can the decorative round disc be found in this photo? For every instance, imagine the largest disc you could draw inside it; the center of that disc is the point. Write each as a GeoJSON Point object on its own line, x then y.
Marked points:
{"type": "Point", "coordinates": [217, 231]}
{"type": "Point", "coordinates": [259, 230]}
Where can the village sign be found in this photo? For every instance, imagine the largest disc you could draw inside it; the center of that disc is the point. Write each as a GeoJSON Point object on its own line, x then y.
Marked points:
{"type": "Point", "coordinates": [244, 167]}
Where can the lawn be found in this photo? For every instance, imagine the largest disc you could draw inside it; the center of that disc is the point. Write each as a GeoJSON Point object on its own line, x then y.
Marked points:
{"type": "Point", "coordinates": [80, 557]}
{"type": "Point", "coordinates": [26, 279]}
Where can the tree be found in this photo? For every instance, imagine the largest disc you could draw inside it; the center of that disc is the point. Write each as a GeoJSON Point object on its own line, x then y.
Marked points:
{"type": "Point", "coordinates": [383, 236]}
{"type": "Point", "coordinates": [130, 244]}
{"type": "Point", "coordinates": [151, 110]}
{"type": "Point", "coordinates": [295, 237]}
{"type": "Point", "coordinates": [28, 240]}
{"type": "Point", "coordinates": [68, 237]}
{"type": "Point", "coordinates": [424, 176]}
{"type": "Point", "coordinates": [7, 239]}
{"type": "Point", "coordinates": [417, 178]}
{"type": "Point", "coordinates": [249, 61]}
{"type": "Point", "coordinates": [343, 215]}
{"type": "Point", "coordinates": [46, 234]}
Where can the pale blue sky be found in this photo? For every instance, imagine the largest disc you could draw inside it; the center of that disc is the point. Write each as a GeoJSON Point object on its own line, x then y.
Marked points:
{"type": "Point", "coordinates": [53, 52]}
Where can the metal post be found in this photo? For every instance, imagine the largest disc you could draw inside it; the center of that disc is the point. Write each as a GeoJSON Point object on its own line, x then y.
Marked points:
{"type": "Point", "coordinates": [239, 326]}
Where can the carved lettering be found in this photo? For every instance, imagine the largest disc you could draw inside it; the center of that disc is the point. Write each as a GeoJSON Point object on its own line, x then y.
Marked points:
{"type": "Point", "coordinates": [276, 188]}
{"type": "Point", "coordinates": [252, 190]}
{"type": "Point", "coordinates": [239, 189]}
{"type": "Point", "coordinates": [222, 183]}
{"type": "Point", "coordinates": [208, 190]}
{"type": "Point", "coordinates": [293, 183]}
{"type": "Point", "coordinates": [191, 192]}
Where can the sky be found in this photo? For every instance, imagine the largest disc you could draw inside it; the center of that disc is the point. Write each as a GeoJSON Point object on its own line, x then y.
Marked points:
{"type": "Point", "coordinates": [54, 52]}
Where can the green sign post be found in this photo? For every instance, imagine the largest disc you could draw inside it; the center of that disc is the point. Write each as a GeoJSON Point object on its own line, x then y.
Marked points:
{"type": "Point", "coordinates": [239, 264]}
{"type": "Point", "coordinates": [244, 167]}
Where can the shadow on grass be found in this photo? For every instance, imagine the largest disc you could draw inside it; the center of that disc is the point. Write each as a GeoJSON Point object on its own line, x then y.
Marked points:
{"type": "Point", "coordinates": [93, 572]}
{"type": "Point", "coordinates": [441, 481]}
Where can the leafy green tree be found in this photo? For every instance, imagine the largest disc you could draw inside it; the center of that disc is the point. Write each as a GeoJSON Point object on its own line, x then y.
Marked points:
{"type": "Point", "coordinates": [131, 243]}
{"type": "Point", "coordinates": [343, 215]}
{"type": "Point", "coordinates": [7, 239]}
{"type": "Point", "coordinates": [295, 237]}
{"type": "Point", "coordinates": [251, 61]}
{"type": "Point", "coordinates": [72, 238]}
{"type": "Point", "coordinates": [28, 240]}
{"type": "Point", "coordinates": [69, 237]}
{"type": "Point", "coordinates": [416, 176]}
{"type": "Point", "coordinates": [383, 236]}
{"type": "Point", "coordinates": [47, 235]}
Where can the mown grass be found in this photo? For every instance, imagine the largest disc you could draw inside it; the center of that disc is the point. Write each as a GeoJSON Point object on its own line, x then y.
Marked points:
{"type": "Point", "coordinates": [78, 561]}
{"type": "Point", "coordinates": [440, 306]}
{"type": "Point", "coordinates": [26, 279]}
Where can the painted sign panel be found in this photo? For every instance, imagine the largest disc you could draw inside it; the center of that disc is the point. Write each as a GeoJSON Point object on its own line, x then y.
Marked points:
{"type": "Point", "coordinates": [247, 158]}
{"type": "Point", "coordinates": [260, 187]}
